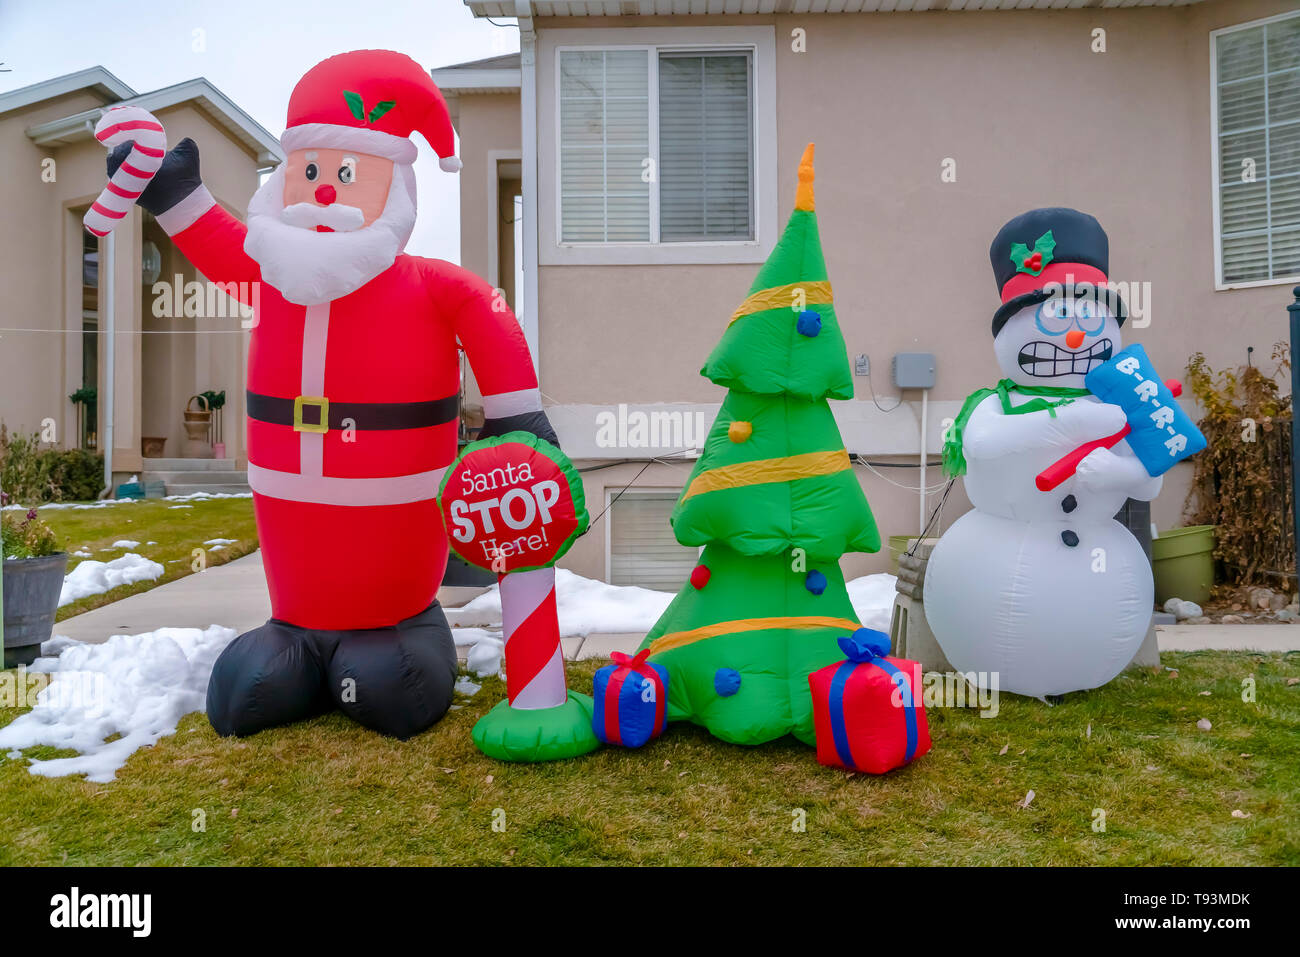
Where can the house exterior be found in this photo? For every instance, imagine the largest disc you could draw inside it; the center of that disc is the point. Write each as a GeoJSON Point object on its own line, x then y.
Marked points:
{"type": "Point", "coordinates": [175, 335]}
{"type": "Point", "coordinates": [651, 146]}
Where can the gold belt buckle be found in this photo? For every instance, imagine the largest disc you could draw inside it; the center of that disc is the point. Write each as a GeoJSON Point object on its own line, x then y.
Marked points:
{"type": "Point", "coordinates": [318, 402]}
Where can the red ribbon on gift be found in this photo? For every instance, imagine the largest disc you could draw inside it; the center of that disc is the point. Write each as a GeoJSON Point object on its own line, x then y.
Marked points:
{"type": "Point", "coordinates": [635, 664]}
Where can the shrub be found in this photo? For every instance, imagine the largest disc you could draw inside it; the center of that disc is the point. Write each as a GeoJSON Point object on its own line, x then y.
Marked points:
{"type": "Point", "coordinates": [26, 537]}
{"type": "Point", "coordinates": [1242, 481]}
{"type": "Point", "coordinates": [33, 475]}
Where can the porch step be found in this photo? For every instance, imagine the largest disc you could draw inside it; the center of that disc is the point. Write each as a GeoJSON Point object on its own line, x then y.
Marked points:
{"type": "Point", "coordinates": [209, 477]}
{"type": "Point", "coordinates": [186, 476]}
{"type": "Point", "coordinates": [188, 465]}
{"type": "Point", "coordinates": [211, 488]}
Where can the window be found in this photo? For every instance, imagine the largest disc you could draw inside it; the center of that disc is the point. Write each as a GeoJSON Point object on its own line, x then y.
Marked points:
{"type": "Point", "coordinates": [656, 145]}
{"type": "Point", "coordinates": [642, 550]}
{"type": "Point", "coordinates": [1256, 71]}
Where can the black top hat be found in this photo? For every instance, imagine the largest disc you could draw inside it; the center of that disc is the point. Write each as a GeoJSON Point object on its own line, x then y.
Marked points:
{"type": "Point", "coordinates": [1050, 252]}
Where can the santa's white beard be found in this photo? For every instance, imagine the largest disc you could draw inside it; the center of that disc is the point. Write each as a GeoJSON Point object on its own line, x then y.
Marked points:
{"type": "Point", "coordinates": [309, 267]}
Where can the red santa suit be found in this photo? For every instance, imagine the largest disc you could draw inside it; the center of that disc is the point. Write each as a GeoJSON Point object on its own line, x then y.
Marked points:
{"type": "Point", "coordinates": [352, 405]}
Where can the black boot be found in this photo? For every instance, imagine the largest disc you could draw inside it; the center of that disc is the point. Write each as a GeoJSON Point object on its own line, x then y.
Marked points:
{"type": "Point", "coordinates": [397, 681]}
{"type": "Point", "coordinates": [269, 676]}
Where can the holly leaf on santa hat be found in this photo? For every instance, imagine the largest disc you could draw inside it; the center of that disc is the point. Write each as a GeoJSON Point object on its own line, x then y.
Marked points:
{"type": "Point", "coordinates": [355, 104]}
{"type": "Point", "coordinates": [382, 107]}
{"type": "Point", "coordinates": [1034, 261]}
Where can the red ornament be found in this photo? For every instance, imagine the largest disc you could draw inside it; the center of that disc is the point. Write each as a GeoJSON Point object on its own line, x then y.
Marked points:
{"type": "Point", "coordinates": [700, 576]}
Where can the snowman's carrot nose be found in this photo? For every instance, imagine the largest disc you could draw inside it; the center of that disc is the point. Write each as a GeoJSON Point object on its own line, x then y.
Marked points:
{"type": "Point", "coordinates": [1074, 338]}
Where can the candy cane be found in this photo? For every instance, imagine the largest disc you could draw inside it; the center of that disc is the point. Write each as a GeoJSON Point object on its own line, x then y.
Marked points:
{"type": "Point", "coordinates": [120, 125]}
{"type": "Point", "coordinates": [534, 660]}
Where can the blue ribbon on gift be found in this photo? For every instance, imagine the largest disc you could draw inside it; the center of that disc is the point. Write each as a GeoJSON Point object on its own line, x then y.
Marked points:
{"type": "Point", "coordinates": [867, 646]}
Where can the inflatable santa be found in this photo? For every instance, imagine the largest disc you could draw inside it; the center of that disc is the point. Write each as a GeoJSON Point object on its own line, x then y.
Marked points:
{"type": "Point", "coordinates": [353, 384]}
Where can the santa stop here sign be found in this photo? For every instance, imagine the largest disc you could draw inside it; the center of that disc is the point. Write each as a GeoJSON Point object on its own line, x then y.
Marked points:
{"type": "Point", "coordinates": [512, 503]}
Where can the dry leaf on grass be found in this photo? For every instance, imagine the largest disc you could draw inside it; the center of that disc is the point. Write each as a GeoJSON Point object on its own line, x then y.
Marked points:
{"type": "Point", "coordinates": [1240, 813]}
{"type": "Point", "coordinates": [1026, 800]}
{"type": "Point", "coordinates": [1005, 747]}
{"type": "Point", "coordinates": [1204, 724]}
{"type": "Point", "coordinates": [1088, 732]}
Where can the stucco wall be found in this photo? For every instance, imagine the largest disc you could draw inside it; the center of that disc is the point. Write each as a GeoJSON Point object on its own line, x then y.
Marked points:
{"type": "Point", "coordinates": [40, 278]}
{"type": "Point", "coordinates": [1032, 117]}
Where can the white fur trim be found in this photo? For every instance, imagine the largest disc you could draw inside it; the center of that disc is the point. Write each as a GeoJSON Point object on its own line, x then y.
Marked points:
{"type": "Point", "coordinates": [307, 136]}
{"type": "Point", "coordinates": [511, 403]}
{"type": "Point", "coordinates": [185, 213]}
{"type": "Point", "coordinates": [450, 164]}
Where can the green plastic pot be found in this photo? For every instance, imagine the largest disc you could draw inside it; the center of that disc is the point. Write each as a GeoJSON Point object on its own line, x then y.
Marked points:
{"type": "Point", "coordinates": [1182, 560]}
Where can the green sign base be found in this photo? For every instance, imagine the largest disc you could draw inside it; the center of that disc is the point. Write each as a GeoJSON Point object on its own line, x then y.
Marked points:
{"type": "Point", "coordinates": [544, 734]}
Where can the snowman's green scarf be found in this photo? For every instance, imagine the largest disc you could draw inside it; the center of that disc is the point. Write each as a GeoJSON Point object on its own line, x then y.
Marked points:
{"type": "Point", "coordinates": [1048, 398]}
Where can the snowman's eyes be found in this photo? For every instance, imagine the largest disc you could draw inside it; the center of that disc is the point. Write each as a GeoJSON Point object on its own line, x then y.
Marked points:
{"type": "Point", "coordinates": [1092, 316]}
{"type": "Point", "coordinates": [1054, 317]}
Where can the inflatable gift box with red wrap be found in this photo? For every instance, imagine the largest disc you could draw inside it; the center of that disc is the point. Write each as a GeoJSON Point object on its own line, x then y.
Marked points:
{"type": "Point", "coordinates": [631, 700]}
{"type": "Point", "coordinates": [867, 711]}
{"type": "Point", "coordinates": [353, 397]}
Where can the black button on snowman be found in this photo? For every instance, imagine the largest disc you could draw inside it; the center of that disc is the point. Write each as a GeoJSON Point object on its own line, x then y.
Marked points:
{"type": "Point", "coordinates": [1045, 589]}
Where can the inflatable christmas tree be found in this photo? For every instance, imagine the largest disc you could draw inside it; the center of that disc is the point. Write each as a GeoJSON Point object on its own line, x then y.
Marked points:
{"type": "Point", "coordinates": [774, 502]}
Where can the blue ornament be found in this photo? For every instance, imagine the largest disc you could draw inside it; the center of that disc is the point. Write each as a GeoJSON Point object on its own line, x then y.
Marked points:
{"type": "Point", "coordinates": [726, 682]}
{"type": "Point", "coordinates": [809, 324]}
{"type": "Point", "coordinates": [815, 582]}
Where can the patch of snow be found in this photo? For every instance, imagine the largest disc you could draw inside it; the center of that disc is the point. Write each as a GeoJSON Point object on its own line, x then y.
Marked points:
{"type": "Point", "coordinates": [873, 599]}
{"type": "Point", "coordinates": [81, 553]}
{"type": "Point", "coordinates": [170, 507]}
{"type": "Point", "coordinates": [484, 659]}
{"type": "Point", "coordinates": [466, 687]}
{"type": "Point", "coordinates": [220, 541]}
{"type": "Point", "coordinates": [95, 578]}
{"type": "Point", "coordinates": [585, 606]}
{"type": "Point", "coordinates": [106, 503]}
{"type": "Point", "coordinates": [122, 543]}
{"type": "Point", "coordinates": [136, 686]}
{"type": "Point", "coordinates": [204, 496]}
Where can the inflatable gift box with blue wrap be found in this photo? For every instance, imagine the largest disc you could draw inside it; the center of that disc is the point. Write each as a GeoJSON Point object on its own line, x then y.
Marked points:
{"type": "Point", "coordinates": [631, 700]}
{"type": "Point", "coordinates": [1162, 433]}
{"type": "Point", "coordinates": [867, 710]}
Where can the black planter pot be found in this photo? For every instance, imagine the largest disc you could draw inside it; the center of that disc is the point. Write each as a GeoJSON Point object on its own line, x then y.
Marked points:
{"type": "Point", "coordinates": [31, 598]}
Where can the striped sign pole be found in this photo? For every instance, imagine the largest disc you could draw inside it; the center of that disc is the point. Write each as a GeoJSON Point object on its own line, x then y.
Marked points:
{"type": "Point", "coordinates": [534, 660]}
{"type": "Point", "coordinates": [120, 125]}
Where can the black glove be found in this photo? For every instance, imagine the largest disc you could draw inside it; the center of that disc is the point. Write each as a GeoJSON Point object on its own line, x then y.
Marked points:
{"type": "Point", "coordinates": [535, 422]}
{"type": "Point", "coordinates": [176, 179]}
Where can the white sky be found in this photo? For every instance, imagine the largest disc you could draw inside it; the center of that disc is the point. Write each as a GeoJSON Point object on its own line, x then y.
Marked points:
{"type": "Point", "coordinates": [254, 53]}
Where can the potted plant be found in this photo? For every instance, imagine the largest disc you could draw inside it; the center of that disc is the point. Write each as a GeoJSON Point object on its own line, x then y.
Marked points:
{"type": "Point", "coordinates": [86, 400]}
{"type": "Point", "coordinates": [216, 401]}
{"type": "Point", "coordinates": [33, 579]}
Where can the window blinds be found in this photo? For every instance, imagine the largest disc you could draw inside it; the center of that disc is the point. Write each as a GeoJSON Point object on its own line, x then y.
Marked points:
{"type": "Point", "coordinates": [705, 166]}
{"type": "Point", "coordinates": [642, 550]}
{"type": "Point", "coordinates": [1258, 90]}
{"type": "Point", "coordinates": [604, 139]}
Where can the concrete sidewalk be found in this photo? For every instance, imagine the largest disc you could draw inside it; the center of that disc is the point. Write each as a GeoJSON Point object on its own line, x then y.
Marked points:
{"type": "Point", "coordinates": [235, 595]}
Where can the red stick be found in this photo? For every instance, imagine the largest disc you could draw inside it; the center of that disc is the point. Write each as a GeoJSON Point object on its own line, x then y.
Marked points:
{"type": "Point", "coordinates": [1064, 467]}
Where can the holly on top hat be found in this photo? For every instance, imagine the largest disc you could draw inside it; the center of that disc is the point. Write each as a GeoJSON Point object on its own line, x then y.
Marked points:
{"type": "Point", "coordinates": [370, 101]}
{"type": "Point", "coordinates": [1050, 251]}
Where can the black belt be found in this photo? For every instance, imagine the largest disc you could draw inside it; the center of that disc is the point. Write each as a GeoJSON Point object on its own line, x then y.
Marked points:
{"type": "Point", "coordinates": [308, 413]}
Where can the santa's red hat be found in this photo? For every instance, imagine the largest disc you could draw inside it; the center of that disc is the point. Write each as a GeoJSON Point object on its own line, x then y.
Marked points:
{"type": "Point", "coordinates": [370, 101]}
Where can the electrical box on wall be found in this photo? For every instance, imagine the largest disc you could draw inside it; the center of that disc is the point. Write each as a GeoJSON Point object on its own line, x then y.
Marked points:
{"type": "Point", "coordinates": [913, 370]}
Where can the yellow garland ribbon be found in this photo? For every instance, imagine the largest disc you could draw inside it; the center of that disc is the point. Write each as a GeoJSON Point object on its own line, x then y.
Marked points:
{"type": "Point", "coordinates": [788, 468]}
{"type": "Point", "coordinates": [816, 292]}
{"type": "Point", "coordinates": [677, 639]}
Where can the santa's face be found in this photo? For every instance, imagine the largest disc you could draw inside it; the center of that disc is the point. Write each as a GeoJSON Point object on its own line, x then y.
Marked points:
{"type": "Point", "coordinates": [1057, 342]}
{"type": "Point", "coordinates": [335, 185]}
{"type": "Point", "coordinates": [318, 235]}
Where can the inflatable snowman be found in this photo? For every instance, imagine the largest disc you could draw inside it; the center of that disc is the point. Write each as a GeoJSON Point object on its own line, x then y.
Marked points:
{"type": "Point", "coordinates": [1044, 588]}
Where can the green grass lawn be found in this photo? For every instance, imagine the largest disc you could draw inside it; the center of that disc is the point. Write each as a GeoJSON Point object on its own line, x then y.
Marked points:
{"type": "Point", "coordinates": [329, 792]}
{"type": "Point", "coordinates": [177, 531]}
